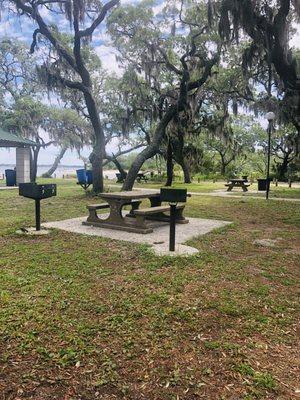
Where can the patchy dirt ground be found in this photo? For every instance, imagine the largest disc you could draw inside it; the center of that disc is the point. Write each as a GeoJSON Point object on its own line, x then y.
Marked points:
{"type": "Point", "coordinates": [90, 318]}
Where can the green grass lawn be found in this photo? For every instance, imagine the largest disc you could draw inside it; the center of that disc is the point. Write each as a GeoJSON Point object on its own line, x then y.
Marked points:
{"type": "Point", "coordinates": [209, 186]}
{"type": "Point", "coordinates": [198, 187]}
{"type": "Point", "coordinates": [89, 318]}
{"type": "Point", "coordinates": [275, 192]}
{"type": "Point", "coordinates": [201, 187]}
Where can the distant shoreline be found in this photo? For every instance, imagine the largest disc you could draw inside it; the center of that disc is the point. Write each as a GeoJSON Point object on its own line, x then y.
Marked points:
{"type": "Point", "coordinates": [62, 170]}
{"type": "Point", "coordinates": [47, 166]}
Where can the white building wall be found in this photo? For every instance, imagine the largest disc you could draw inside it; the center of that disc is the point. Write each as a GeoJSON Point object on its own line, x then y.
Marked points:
{"type": "Point", "coordinates": [23, 164]}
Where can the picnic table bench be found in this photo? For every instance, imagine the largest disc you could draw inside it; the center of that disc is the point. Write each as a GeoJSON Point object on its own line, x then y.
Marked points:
{"type": "Point", "coordinates": [243, 183]}
{"type": "Point", "coordinates": [158, 213]}
{"type": "Point", "coordinates": [136, 219]}
{"type": "Point", "coordinates": [93, 216]}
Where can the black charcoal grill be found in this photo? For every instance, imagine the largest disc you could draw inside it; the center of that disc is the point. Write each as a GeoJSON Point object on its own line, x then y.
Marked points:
{"type": "Point", "coordinates": [37, 193]}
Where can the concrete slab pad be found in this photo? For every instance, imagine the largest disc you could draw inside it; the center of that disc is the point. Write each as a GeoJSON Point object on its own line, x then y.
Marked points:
{"type": "Point", "coordinates": [180, 250]}
{"type": "Point", "coordinates": [8, 187]}
{"type": "Point", "coordinates": [32, 232]}
{"type": "Point", "coordinates": [158, 239]}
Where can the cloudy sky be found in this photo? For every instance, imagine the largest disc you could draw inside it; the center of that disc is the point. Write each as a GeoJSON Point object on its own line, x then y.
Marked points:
{"type": "Point", "coordinates": [22, 29]}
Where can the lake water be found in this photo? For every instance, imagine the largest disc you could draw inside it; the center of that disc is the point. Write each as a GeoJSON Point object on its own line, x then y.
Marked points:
{"type": "Point", "coordinates": [60, 171]}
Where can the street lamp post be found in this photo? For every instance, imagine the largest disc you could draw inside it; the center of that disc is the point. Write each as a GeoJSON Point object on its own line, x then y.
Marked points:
{"type": "Point", "coordinates": [270, 116]}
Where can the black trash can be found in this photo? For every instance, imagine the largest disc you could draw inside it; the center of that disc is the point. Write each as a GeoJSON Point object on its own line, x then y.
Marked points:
{"type": "Point", "coordinates": [262, 184]}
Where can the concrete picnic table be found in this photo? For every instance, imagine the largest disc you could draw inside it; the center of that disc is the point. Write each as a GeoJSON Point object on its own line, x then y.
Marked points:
{"type": "Point", "coordinates": [116, 220]}
{"type": "Point", "coordinates": [243, 183]}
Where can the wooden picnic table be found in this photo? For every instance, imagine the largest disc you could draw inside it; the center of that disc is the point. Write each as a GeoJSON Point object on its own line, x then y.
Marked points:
{"type": "Point", "coordinates": [116, 220]}
{"type": "Point", "coordinates": [243, 183]}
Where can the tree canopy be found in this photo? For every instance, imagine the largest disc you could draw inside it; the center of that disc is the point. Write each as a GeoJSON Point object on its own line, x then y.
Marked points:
{"type": "Point", "coordinates": [194, 78]}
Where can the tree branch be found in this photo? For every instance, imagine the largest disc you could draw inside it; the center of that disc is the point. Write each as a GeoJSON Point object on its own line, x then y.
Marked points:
{"type": "Point", "coordinates": [121, 153]}
{"type": "Point", "coordinates": [67, 82]}
{"type": "Point", "coordinates": [44, 29]}
{"type": "Point", "coordinates": [89, 31]}
{"type": "Point", "coordinates": [168, 64]}
{"type": "Point", "coordinates": [207, 72]}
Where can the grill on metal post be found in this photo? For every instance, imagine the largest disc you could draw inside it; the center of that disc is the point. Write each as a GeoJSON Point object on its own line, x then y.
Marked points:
{"type": "Point", "coordinates": [37, 193]}
{"type": "Point", "coordinates": [173, 197]}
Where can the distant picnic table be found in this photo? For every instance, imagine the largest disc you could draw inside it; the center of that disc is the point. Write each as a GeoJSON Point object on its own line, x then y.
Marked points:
{"type": "Point", "coordinates": [242, 183]}
{"type": "Point", "coordinates": [141, 176]}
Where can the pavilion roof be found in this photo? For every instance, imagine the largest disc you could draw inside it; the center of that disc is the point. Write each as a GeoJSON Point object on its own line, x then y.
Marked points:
{"type": "Point", "coordinates": [8, 139]}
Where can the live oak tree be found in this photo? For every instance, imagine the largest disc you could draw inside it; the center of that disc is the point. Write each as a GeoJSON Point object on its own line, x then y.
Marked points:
{"type": "Point", "coordinates": [27, 116]}
{"type": "Point", "coordinates": [231, 137]}
{"type": "Point", "coordinates": [84, 19]}
{"type": "Point", "coordinates": [269, 26]}
{"type": "Point", "coordinates": [17, 71]}
{"type": "Point", "coordinates": [113, 97]}
{"type": "Point", "coordinates": [46, 125]}
{"type": "Point", "coordinates": [110, 94]}
{"type": "Point", "coordinates": [208, 115]}
{"type": "Point", "coordinates": [182, 74]}
{"type": "Point", "coordinates": [174, 65]}
{"type": "Point", "coordinates": [269, 94]}
{"type": "Point", "coordinates": [120, 119]}
{"type": "Point", "coordinates": [24, 109]}
{"type": "Point", "coordinates": [209, 120]}
{"type": "Point", "coordinates": [21, 110]}
{"type": "Point", "coordinates": [286, 150]}
{"type": "Point", "coordinates": [182, 140]}
{"type": "Point", "coordinates": [224, 144]}
{"type": "Point", "coordinates": [72, 131]}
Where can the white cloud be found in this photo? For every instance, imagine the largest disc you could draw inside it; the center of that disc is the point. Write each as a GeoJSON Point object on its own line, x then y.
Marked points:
{"type": "Point", "coordinates": [102, 36]}
{"type": "Point", "coordinates": [107, 55]}
{"type": "Point", "coordinates": [124, 2]}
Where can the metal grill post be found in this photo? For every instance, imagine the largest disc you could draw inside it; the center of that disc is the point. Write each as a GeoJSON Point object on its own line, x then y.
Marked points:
{"type": "Point", "coordinates": [172, 226]}
{"type": "Point", "coordinates": [37, 214]}
{"type": "Point", "coordinates": [268, 160]}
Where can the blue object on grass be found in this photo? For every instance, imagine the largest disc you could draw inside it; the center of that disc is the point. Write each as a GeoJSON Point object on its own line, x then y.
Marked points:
{"type": "Point", "coordinates": [85, 178]}
{"type": "Point", "coordinates": [11, 177]}
{"type": "Point", "coordinates": [89, 176]}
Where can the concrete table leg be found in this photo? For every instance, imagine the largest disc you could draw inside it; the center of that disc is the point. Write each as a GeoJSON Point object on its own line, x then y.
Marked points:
{"type": "Point", "coordinates": [115, 220]}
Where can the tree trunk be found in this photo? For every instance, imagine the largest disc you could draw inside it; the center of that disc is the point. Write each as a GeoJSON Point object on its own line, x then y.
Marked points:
{"type": "Point", "coordinates": [172, 111]}
{"type": "Point", "coordinates": [34, 163]}
{"type": "Point", "coordinates": [170, 164]}
{"type": "Point", "coordinates": [151, 149]}
{"type": "Point", "coordinates": [179, 157]}
{"type": "Point", "coordinates": [118, 165]}
{"type": "Point", "coordinates": [223, 166]}
{"type": "Point", "coordinates": [283, 168]}
{"type": "Point", "coordinates": [97, 155]}
{"type": "Point", "coordinates": [186, 171]}
{"type": "Point", "coordinates": [97, 168]}
{"type": "Point", "coordinates": [57, 160]}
